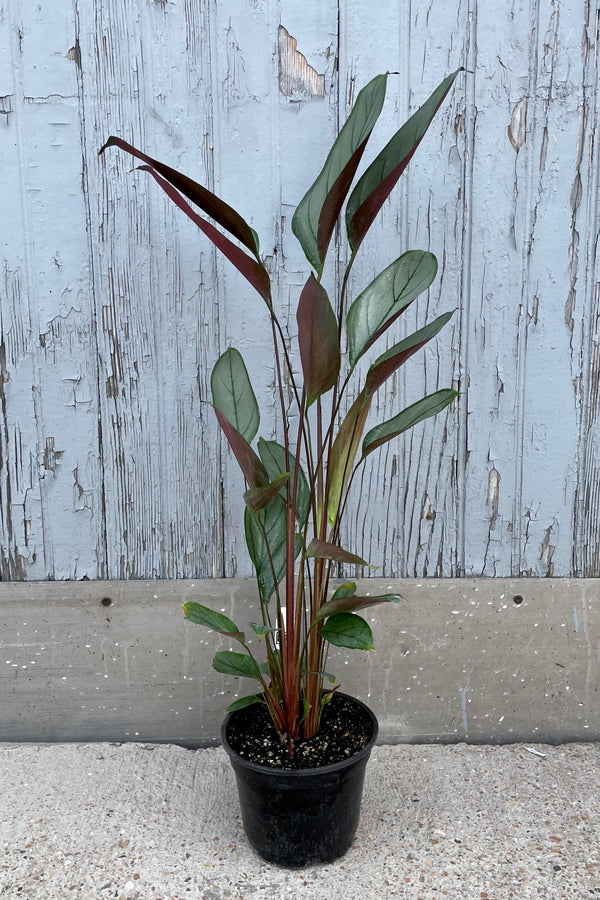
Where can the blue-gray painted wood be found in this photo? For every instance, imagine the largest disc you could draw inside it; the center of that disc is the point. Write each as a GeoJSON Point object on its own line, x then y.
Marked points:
{"type": "Point", "coordinates": [113, 309]}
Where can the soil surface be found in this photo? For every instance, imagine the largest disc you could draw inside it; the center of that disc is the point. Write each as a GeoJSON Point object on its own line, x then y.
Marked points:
{"type": "Point", "coordinates": [345, 729]}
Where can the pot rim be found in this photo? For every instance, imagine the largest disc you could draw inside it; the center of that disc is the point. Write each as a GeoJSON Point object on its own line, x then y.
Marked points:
{"type": "Point", "coordinates": [363, 753]}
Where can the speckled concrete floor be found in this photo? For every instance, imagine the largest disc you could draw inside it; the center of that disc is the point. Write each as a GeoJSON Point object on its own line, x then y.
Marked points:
{"type": "Point", "coordinates": [144, 822]}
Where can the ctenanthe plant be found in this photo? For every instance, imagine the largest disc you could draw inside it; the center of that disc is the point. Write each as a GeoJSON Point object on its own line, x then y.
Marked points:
{"type": "Point", "coordinates": [297, 490]}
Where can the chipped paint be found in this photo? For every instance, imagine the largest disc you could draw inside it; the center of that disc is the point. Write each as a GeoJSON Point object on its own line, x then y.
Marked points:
{"type": "Point", "coordinates": [112, 311]}
{"type": "Point", "coordinates": [517, 130]}
{"type": "Point", "coordinates": [297, 78]}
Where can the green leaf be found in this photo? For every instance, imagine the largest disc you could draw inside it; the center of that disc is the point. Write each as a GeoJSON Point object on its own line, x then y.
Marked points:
{"type": "Point", "coordinates": [352, 603]}
{"type": "Point", "coordinates": [267, 550]}
{"type": "Point", "coordinates": [347, 589]}
{"type": "Point", "coordinates": [257, 498]}
{"type": "Point", "coordinates": [380, 304]}
{"type": "Point", "coordinates": [305, 710]}
{"type": "Point", "coordinates": [243, 702]}
{"type": "Point", "coordinates": [323, 550]}
{"type": "Point", "coordinates": [272, 550]}
{"type": "Point", "coordinates": [262, 630]}
{"type": "Point", "coordinates": [326, 698]}
{"type": "Point", "coordinates": [375, 186]}
{"type": "Point", "coordinates": [396, 356]}
{"type": "Point", "coordinates": [422, 409]}
{"type": "Point", "coordinates": [326, 675]}
{"type": "Point", "coordinates": [202, 615]}
{"type": "Point", "coordinates": [233, 395]}
{"type": "Point", "coordinates": [317, 212]}
{"type": "Point", "coordinates": [318, 338]}
{"type": "Point", "coordinates": [343, 453]}
{"type": "Point", "coordinates": [240, 664]}
{"type": "Point", "coordinates": [348, 630]}
{"type": "Point", "coordinates": [273, 458]}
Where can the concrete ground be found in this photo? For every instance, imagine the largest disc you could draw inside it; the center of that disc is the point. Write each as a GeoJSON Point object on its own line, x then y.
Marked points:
{"type": "Point", "coordinates": [144, 822]}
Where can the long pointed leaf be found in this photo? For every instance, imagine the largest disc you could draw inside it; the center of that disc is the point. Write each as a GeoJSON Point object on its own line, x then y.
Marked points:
{"type": "Point", "coordinates": [422, 409]}
{"type": "Point", "coordinates": [212, 205]}
{"type": "Point", "coordinates": [257, 498]}
{"type": "Point", "coordinates": [324, 550]}
{"type": "Point", "coordinates": [351, 604]}
{"type": "Point", "coordinates": [376, 184]}
{"type": "Point", "coordinates": [318, 338]}
{"type": "Point", "coordinates": [343, 453]}
{"type": "Point", "coordinates": [254, 271]}
{"type": "Point", "coordinates": [266, 533]}
{"type": "Point", "coordinates": [347, 441]}
{"type": "Point", "coordinates": [253, 469]}
{"type": "Point", "coordinates": [273, 457]}
{"type": "Point", "coordinates": [389, 294]}
{"type": "Point", "coordinates": [233, 395]}
{"type": "Point", "coordinates": [317, 212]}
{"type": "Point", "coordinates": [396, 356]}
{"type": "Point", "coordinates": [203, 615]}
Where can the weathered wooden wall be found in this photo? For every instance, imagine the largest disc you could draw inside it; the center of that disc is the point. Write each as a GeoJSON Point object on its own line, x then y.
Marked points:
{"type": "Point", "coordinates": [113, 308]}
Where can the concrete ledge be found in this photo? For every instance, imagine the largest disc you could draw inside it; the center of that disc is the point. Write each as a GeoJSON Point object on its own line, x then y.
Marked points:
{"type": "Point", "coordinates": [481, 660]}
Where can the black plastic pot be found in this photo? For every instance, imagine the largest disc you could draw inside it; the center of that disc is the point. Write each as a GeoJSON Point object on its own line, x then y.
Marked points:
{"type": "Point", "coordinates": [301, 816]}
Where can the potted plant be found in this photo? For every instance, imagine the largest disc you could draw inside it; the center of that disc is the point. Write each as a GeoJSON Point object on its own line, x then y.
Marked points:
{"type": "Point", "coordinates": [298, 747]}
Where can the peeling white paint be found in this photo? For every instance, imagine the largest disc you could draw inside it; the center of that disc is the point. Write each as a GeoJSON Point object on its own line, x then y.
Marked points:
{"type": "Point", "coordinates": [112, 310]}
{"type": "Point", "coordinates": [517, 130]}
{"type": "Point", "coordinates": [297, 78]}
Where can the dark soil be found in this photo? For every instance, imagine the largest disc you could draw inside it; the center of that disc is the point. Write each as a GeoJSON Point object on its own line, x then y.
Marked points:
{"type": "Point", "coordinates": [345, 729]}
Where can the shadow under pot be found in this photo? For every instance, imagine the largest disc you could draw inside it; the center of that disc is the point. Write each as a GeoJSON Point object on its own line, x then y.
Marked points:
{"type": "Point", "coordinates": [298, 816]}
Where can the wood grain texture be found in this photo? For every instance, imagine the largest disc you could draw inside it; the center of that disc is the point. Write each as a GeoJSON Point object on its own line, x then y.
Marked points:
{"type": "Point", "coordinates": [113, 309]}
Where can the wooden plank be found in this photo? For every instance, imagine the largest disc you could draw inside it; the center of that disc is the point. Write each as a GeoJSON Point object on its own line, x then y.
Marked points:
{"type": "Point", "coordinates": [155, 290]}
{"type": "Point", "coordinates": [522, 409]}
{"type": "Point", "coordinates": [584, 302]}
{"type": "Point", "coordinates": [51, 483]}
{"type": "Point", "coordinates": [483, 660]}
{"type": "Point", "coordinates": [548, 401]}
{"type": "Point", "coordinates": [394, 514]}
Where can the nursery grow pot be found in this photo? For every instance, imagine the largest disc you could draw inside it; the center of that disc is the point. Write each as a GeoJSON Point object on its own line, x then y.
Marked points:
{"type": "Point", "coordinates": [296, 817]}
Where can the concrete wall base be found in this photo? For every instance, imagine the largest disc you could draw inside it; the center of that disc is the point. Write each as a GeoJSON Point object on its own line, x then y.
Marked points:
{"type": "Point", "coordinates": [478, 660]}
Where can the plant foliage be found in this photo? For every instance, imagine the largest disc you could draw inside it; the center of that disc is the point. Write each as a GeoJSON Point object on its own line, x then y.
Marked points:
{"type": "Point", "coordinates": [296, 492]}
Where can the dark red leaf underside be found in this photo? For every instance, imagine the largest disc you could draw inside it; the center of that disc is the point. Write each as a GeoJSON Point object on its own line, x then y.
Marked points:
{"type": "Point", "coordinates": [335, 200]}
{"type": "Point", "coordinates": [365, 214]}
{"type": "Point", "coordinates": [250, 464]}
{"type": "Point", "coordinates": [378, 374]}
{"type": "Point", "coordinates": [254, 271]}
{"type": "Point", "coordinates": [318, 339]}
{"type": "Point", "coordinates": [362, 218]}
{"type": "Point", "coordinates": [212, 205]}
